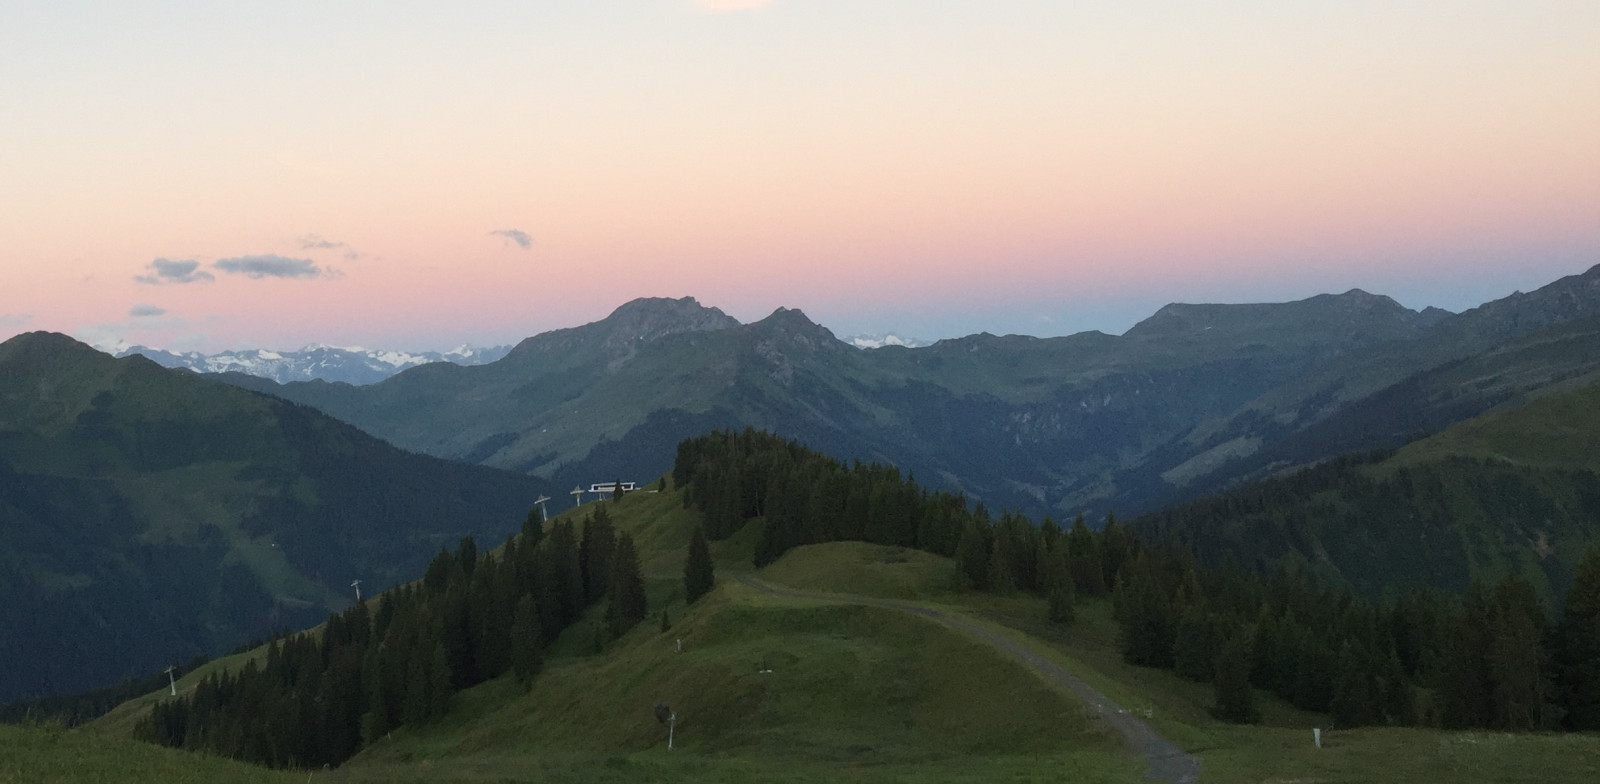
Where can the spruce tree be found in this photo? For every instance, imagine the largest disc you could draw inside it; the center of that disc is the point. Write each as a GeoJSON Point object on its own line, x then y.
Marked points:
{"type": "Point", "coordinates": [1194, 650]}
{"type": "Point", "coordinates": [525, 641]}
{"type": "Point", "coordinates": [1083, 560]}
{"type": "Point", "coordinates": [699, 572]}
{"type": "Point", "coordinates": [595, 552]}
{"type": "Point", "coordinates": [1355, 697]}
{"type": "Point", "coordinates": [533, 528]}
{"type": "Point", "coordinates": [1000, 577]}
{"type": "Point", "coordinates": [1516, 655]}
{"type": "Point", "coordinates": [1146, 616]}
{"type": "Point", "coordinates": [1056, 583]}
{"type": "Point", "coordinates": [1577, 646]}
{"type": "Point", "coordinates": [972, 558]}
{"type": "Point", "coordinates": [1235, 700]}
{"type": "Point", "coordinates": [627, 600]}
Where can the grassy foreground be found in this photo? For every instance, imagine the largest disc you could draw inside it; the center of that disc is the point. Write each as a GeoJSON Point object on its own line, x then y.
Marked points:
{"type": "Point", "coordinates": [770, 688]}
{"type": "Point", "coordinates": [30, 755]}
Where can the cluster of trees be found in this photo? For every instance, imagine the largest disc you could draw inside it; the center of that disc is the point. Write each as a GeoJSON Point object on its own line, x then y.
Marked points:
{"type": "Point", "coordinates": [808, 498]}
{"type": "Point", "coordinates": [1488, 658]}
{"type": "Point", "coordinates": [319, 696]}
{"type": "Point", "coordinates": [1385, 528]}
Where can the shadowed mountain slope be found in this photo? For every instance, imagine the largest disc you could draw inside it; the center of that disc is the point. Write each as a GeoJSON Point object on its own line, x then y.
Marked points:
{"type": "Point", "coordinates": [1515, 490]}
{"type": "Point", "coordinates": [1193, 399]}
{"type": "Point", "coordinates": [149, 515]}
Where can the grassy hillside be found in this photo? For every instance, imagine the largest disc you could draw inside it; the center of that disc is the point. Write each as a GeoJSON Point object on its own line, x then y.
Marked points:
{"type": "Point", "coordinates": [856, 691]}
{"type": "Point", "coordinates": [1515, 490]}
{"type": "Point", "coordinates": [152, 515]}
{"type": "Point", "coordinates": [46, 755]}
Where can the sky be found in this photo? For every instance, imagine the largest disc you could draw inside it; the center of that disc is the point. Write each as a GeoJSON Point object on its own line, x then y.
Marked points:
{"type": "Point", "coordinates": [417, 175]}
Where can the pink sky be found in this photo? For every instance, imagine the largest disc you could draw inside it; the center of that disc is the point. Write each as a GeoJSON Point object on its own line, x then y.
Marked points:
{"type": "Point", "coordinates": [934, 168]}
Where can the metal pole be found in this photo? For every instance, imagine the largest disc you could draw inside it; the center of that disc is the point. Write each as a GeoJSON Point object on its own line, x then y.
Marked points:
{"type": "Point", "coordinates": [672, 724]}
{"type": "Point", "coordinates": [172, 680]}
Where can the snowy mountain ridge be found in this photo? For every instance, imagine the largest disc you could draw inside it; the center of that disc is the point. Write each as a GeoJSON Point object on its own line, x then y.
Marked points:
{"type": "Point", "coordinates": [879, 341]}
{"type": "Point", "coordinates": [349, 364]}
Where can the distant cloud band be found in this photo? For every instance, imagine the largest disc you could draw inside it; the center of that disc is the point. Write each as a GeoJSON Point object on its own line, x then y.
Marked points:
{"type": "Point", "coordinates": [174, 271]}
{"type": "Point", "coordinates": [146, 311]}
{"type": "Point", "coordinates": [269, 266]}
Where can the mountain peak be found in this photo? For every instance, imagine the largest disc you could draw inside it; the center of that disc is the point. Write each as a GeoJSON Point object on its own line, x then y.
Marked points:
{"type": "Point", "coordinates": [648, 318]}
{"type": "Point", "coordinates": [793, 321]}
{"type": "Point", "coordinates": [41, 344]}
{"type": "Point", "coordinates": [635, 322]}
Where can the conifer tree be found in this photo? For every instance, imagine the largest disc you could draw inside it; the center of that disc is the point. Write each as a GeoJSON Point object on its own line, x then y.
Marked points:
{"type": "Point", "coordinates": [1516, 655]}
{"type": "Point", "coordinates": [1234, 698]}
{"type": "Point", "coordinates": [595, 551]}
{"type": "Point", "coordinates": [1000, 579]}
{"type": "Point", "coordinates": [627, 605]}
{"type": "Point", "coordinates": [1056, 583]}
{"type": "Point", "coordinates": [1146, 616]}
{"type": "Point", "coordinates": [699, 571]}
{"type": "Point", "coordinates": [1577, 646]}
{"type": "Point", "coordinates": [533, 528]}
{"type": "Point", "coordinates": [1195, 648]}
{"type": "Point", "coordinates": [1083, 560]}
{"type": "Point", "coordinates": [1355, 697]}
{"type": "Point", "coordinates": [525, 641]}
{"type": "Point", "coordinates": [972, 557]}
{"type": "Point", "coordinates": [1465, 684]}
{"type": "Point", "coordinates": [560, 567]}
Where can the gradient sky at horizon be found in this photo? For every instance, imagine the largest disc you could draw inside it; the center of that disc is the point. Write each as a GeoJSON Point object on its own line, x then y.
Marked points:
{"type": "Point", "coordinates": [419, 175]}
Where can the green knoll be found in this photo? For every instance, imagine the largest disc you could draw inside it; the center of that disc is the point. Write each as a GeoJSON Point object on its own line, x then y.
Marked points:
{"type": "Point", "coordinates": [853, 686]}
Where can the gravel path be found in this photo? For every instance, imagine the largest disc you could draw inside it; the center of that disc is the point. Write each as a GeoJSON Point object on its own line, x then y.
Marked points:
{"type": "Point", "coordinates": [1167, 762]}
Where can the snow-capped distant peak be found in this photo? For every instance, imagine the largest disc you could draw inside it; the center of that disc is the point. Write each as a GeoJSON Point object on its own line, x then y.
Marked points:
{"type": "Point", "coordinates": [115, 348]}
{"type": "Point", "coordinates": [879, 341]}
{"type": "Point", "coordinates": [351, 365]}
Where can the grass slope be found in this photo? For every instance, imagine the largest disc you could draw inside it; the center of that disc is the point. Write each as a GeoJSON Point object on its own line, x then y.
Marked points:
{"type": "Point", "coordinates": [864, 693]}
{"type": "Point", "coordinates": [47, 755]}
{"type": "Point", "coordinates": [853, 693]}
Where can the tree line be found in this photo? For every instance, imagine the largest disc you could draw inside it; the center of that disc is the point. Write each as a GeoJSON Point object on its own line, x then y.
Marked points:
{"type": "Point", "coordinates": [1489, 657]}
{"type": "Point", "coordinates": [317, 697]}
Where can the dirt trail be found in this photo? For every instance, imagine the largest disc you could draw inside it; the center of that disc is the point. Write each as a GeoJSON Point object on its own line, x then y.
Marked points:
{"type": "Point", "coordinates": [1167, 762]}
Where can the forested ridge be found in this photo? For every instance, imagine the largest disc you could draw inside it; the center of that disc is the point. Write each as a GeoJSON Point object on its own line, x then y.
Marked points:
{"type": "Point", "coordinates": [1383, 526]}
{"type": "Point", "coordinates": [318, 697]}
{"type": "Point", "coordinates": [1488, 657]}
{"type": "Point", "coordinates": [1492, 656]}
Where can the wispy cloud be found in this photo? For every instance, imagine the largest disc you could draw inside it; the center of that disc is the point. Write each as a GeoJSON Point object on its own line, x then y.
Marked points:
{"type": "Point", "coordinates": [174, 271]}
{"type": "Point", "coordinates": [722, 6]}
{"type": "Point", "coordinates": [270, 265]}
{"type": "Point", "coordinates": [14, 320]}
{"type": "Point", "coordinates": [520, 237]}
{"type": "Point", "coordinates": [319, 242]}
{"type": "Point", "coordinates": [146, 311]}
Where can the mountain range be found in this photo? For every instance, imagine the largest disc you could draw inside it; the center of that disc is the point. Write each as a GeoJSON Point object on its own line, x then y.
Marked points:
{"type": "Point", "coordinates": [350, 365]}
{"type": "Point", "coordinates": [150, 515]}
{"type": "Point", "coordinates": [1193, 399]}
